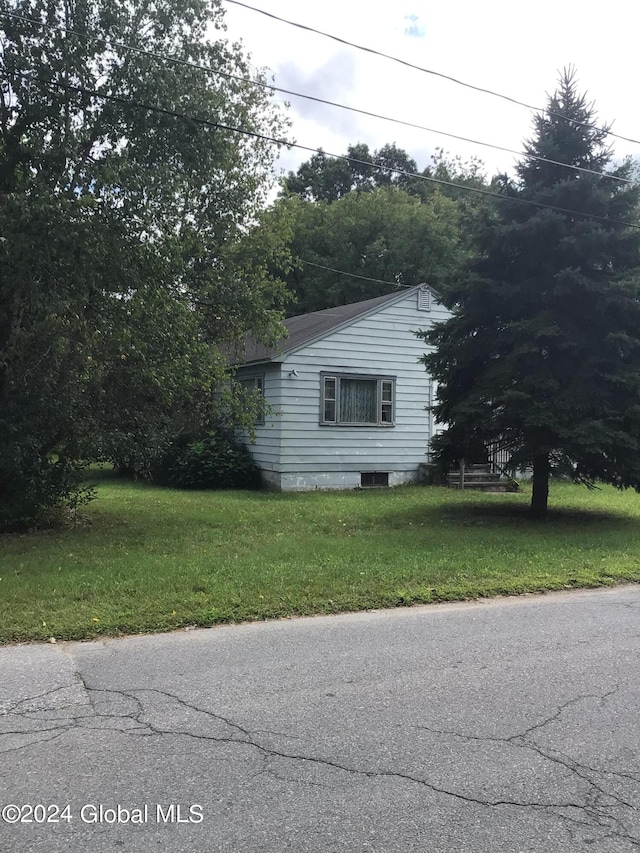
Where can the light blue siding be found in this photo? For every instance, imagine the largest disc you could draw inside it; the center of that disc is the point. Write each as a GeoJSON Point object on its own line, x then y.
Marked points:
{"type": "Point", "coordinates": [266, 449]}
{"type": "Point", "coordinates": [305, 454]}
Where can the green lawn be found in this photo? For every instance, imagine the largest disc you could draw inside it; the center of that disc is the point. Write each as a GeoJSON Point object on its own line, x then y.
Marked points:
{"type": "Point", "coordinates": [156, 559]}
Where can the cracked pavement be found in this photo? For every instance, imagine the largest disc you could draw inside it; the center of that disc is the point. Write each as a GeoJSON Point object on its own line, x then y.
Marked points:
{"type": "Point", "coordinates": [498, 726]}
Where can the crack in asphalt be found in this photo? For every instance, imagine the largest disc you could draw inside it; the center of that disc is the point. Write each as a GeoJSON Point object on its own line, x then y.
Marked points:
{"type": "Point", "coordinates": [595, 806]}
{"type": "Point", "coordinates": [599, 808]}
{"type": "Point", "coordinates": [521, 740]}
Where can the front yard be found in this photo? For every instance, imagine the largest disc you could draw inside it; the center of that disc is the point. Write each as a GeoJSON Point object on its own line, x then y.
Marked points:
{"type": "Point", "coordinates": [152, 559]}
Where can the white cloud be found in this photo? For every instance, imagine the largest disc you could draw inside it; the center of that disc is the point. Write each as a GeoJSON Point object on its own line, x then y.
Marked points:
{"type": "Point", "coordinates": [496, 44]}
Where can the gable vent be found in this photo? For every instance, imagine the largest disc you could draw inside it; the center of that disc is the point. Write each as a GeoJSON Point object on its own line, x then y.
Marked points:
{"type": "Point", "coordinates": [424, 299]}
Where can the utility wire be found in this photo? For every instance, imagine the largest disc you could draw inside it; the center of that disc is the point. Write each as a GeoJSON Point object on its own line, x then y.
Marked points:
{"type": "Point", "coordinates": [284, 142]}
{"type": "Point", "coordinates": [269, 86]}
{"type": "Point", "coordinates": [427, 70]}
{"type": "Point", "coordinates": [353, 275]}
{"type": "Point", "coordinates": [454, 136]}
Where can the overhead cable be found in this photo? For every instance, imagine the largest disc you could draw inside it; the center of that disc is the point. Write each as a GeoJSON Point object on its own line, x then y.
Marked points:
{"type": "Point", "coordinates": [286, 143]}
{"type": "Point", "coordinates": [427, 70]}
{"type": "Point", "coordinates": [354, 275]}
{"type": "Point", "coordinates": [271, 87]}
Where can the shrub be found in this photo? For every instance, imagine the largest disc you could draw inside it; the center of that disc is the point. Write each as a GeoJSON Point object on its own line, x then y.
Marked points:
{"type": "Point", "coordinates": [214, 461]}
{"type": "Point", "coordinates": [37, 492]}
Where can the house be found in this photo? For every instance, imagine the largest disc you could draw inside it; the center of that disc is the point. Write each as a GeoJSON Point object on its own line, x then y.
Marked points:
{"type": "Point", "coordinates": [347, 395]}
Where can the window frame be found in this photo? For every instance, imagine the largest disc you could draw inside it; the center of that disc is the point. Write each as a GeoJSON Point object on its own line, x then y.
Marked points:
{"type": "Point", "coordinates": [382, 404]}
{"type": "Point", "coordinates": [258, 382]}
{"type": "Point", "coordinates": [381, 476]}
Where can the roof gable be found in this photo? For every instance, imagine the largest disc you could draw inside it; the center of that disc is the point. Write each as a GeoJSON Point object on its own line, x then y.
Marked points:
{"type": "Point", "coordinates": [308, 328]}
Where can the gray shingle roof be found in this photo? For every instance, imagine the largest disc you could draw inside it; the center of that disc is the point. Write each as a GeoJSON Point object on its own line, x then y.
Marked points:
{"type": "Point", "coordinates": [309, 327]}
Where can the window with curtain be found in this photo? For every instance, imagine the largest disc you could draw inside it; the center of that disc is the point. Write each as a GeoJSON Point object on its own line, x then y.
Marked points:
{"type": "Point", "coordinates": [357, 400]}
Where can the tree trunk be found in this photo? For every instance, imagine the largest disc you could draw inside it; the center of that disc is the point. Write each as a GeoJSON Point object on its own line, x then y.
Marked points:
{"type": "Point", "coordinates": [540, 496]}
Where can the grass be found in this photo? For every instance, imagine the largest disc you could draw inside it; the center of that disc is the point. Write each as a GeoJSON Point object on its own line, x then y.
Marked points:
{"type": "Point", "coordinates": [155, 559]}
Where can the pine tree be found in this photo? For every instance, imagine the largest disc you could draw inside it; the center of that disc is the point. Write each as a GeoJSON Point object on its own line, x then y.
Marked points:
{"type": "Point", "coordinates": [542, 353]}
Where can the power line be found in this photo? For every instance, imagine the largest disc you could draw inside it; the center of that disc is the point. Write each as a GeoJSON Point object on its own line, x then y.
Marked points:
{"type": "Point", "coordinates": [271, 87]}
{"type": "Point", "coordinates": [427, 70]}
{"type": "Point", "coordinates": [386, 169]}
{"type": "Point", "coordinates": [353, 275]}
{"type": "Point", "coordinates": [455, 136]}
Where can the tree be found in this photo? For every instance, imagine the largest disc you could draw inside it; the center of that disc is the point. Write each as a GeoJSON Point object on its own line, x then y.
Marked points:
{"type": "Point", "coordinates": [326, 178]}
{"type": "Point", "coordinates": [542, 352]}
{"type": "Point", "coordinates": [321, 178]}
{"type": "Point", "coordinates": [382, 221]}
{"type": "Point", "coordinates": [385, 234]}
{"type": "Point", "coordinates": [132, 256]}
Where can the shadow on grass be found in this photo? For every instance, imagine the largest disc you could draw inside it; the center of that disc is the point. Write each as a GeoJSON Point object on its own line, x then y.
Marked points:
{"type": "Point", "coordinates": [479, 509]}
{"type": "Point", "coordinates": [514, 512]}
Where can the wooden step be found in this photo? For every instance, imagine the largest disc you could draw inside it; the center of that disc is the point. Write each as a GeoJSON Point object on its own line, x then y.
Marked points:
{"type": "Point", "coordinates": [480, 477]}
{"type": "Point", "coordinates": [474, 477]}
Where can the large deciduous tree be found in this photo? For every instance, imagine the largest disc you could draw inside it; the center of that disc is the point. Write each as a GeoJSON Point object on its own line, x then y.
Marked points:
{"type": "Point", "coordinates": [542, 353]}
{"type": "Point", "coordinates": [374, 216]}
{"type": "Point", "coordinates": [385, 238]}
{"type": "Point", "coordinates": [130, 255]}
{"type": "Point", "coordinates": [327, 178]}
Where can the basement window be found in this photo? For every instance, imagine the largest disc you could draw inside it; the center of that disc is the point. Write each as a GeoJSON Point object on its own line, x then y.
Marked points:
{"type": "Point", "coordinates": [370, 479]}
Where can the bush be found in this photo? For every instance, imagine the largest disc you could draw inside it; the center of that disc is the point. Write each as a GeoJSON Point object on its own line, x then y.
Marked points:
{"type": "Point", "coordinates": [215, 461]}
{"type": "Point", "coordinates": [36, 491]}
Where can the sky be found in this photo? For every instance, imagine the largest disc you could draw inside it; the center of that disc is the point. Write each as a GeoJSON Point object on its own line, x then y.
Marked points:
{"type": "Point", "coordinates": [511, 47]}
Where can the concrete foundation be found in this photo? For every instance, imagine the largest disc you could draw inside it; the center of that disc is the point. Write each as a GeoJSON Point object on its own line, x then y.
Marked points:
{"type": "Point", "coordinates": [337, 480]}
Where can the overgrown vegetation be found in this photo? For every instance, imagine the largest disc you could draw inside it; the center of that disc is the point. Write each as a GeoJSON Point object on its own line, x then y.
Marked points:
{"type": "Point", "coordinates": [215, 460]}
{"type": "Point", "coordinates": [154, 559]}
{"type": "Point", "coordinates": [134, 246]}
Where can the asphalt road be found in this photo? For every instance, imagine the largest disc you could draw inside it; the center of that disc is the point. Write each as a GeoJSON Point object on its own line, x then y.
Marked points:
{"type": "Point", "coordinates": [506, 726]}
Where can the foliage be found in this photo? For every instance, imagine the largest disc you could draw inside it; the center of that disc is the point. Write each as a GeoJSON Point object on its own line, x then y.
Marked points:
{"type": "Point", "coordinates": [216, 460]}
{"type": "Point", "coordinates": [542, 353]}
{"type": "Point", "coordinates": [385, 234]}
{"type": "Point", "coordinates": [325, 178]}
{"type": "Point", "coordinates": [157, 559]}
{"type": "Point", "coordinates": [381, 221]}
{"type": "Point", "coordinates": [134, 253]}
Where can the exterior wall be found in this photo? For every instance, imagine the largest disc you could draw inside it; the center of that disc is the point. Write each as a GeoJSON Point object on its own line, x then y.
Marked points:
{"type": "Point", "coordinates": [316, 456]}
{"type": "Point", "coordinates": [266, 449]}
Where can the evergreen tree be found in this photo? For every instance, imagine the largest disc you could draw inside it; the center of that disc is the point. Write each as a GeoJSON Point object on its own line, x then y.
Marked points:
{"type": "Point", "coordinates": [542, 353]}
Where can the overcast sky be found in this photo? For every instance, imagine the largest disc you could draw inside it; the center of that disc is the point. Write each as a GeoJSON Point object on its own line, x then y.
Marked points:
{"type": "Point", "coordinates": [512, 47]}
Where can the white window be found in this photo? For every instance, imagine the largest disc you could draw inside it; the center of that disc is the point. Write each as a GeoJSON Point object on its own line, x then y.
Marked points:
{"type": "Point", "coordinates": [255, 385]}
{"type": "Point", "coordinates": [357, 400]}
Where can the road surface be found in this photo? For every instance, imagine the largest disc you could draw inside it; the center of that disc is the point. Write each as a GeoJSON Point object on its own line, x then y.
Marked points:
{"type": "Point", "coordinates": [504, 726]}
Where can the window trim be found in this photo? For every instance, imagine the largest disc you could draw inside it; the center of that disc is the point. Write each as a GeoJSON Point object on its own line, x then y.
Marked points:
{"type": "Point", "coordinates": [258, 382]}
{"type": "Point", "coordinates": [337, 377]}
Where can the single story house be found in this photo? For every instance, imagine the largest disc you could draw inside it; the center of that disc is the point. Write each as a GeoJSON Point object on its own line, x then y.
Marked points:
{"type": "Point", "coordinates": [348, 397]}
